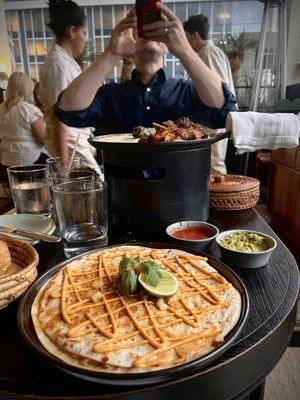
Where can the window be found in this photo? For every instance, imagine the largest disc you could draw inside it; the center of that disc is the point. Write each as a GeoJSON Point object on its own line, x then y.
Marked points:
{"type": "Point", "coordinates": [31, 51]}
{"type": "Point", "coordinates": [97, 21]}
{"type": "Point", "coordinates": [107, 20]}
{"type": "Point", "coordinates": [181, 10]}
{"type": "Point", "coordinates": [37, 23]}
{"type": "Point", "coordinates": [225, 17]}
{"type": "Point", "coordinates": [193, 8]}
{"type": "Point", "coordinates": [12, 24]}
{"type": "Point", "coordinates": [17, 51]}
{"type": "Point", "coordinates": [119, 13]}
{"type": "Point", "coordinates": [40, 50]}
{"type": "Point", "coordinates": [45, 16]}
{"type": "Point", "coordinates": [49, 45]}
{"type": "Point", "coordinates": [27, 23]}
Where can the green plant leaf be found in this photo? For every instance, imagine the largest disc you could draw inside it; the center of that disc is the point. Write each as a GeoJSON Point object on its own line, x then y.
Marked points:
{"type": "Point", "coordinates": [152, 264]}
{"type": "Point", "coordinates": [151, 274]}
{"type": "Point", "coordinates": [127, 282]}
{"type": "Point", "coordinates": [127, 263]}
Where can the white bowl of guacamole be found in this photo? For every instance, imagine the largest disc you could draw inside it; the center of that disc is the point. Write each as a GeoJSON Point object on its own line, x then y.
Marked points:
{"type": "Point", "coordinates": [246, 248]}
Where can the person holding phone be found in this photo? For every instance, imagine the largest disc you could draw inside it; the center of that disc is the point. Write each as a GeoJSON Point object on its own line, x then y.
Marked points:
{"type": "Point", "coordinates": [148, 96]}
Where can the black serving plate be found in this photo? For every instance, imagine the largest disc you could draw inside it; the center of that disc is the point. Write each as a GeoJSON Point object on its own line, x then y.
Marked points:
{"type": "Point", "coordinates": [133, 379]}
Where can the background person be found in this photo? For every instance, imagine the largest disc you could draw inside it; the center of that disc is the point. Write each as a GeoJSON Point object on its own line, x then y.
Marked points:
{"type": "Point", "coordinates": [149, 96]}
{"type": "Point", "coordinates": [37, 97]}
{"type": "Point", "coordinates": [197, 31]}
{"type": "Point", "coordinates": [68, 22]}
{"type": "Point", "coordinates": [22, 129]}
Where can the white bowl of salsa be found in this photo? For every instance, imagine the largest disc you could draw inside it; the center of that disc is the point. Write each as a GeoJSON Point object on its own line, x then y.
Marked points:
{"type": "Point", "coordinates": [195, 234]}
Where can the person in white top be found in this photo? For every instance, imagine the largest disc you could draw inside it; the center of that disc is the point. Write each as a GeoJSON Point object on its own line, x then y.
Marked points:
{"type": "Point", "coordinates": [22, 129]}
{"type": "Point", "coordinates": [68, 22]}
{"type": "Point", "coordinates": [197, 31]}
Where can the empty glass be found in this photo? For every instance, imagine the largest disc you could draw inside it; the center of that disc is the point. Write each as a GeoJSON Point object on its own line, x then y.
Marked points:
{"type": "Point", "coordinates": [59, 177]}
{"type": "Point", "coordinates": [29, 188]}
{"type": "Point", "coordinates": [55, 164]}
{"type": "Point", "coordinates": [81, 210]}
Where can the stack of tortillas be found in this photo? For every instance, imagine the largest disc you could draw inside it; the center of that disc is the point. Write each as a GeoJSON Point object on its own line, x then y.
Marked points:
{"type": "Point", "coordinates": [5, 259]}
{"type": "Point", "coordinates": [18, 262]}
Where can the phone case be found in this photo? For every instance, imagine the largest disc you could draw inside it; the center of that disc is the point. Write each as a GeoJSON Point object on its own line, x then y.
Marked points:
{"type": "Point", "coordinates": [146, 12]}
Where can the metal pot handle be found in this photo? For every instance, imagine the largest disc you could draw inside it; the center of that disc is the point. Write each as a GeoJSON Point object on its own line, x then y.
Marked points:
{"type": "Point", "coordinates": [220, 136]}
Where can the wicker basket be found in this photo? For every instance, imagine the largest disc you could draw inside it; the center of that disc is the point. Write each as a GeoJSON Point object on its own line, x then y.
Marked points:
{"type": "Point", "coordinates": [14, 284]}
{"type": "Point", "coordinates": [233, 192]}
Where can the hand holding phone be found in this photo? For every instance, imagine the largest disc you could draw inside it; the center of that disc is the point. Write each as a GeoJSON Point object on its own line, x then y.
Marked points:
{"type": "Point", "coordinates": [146, 12]}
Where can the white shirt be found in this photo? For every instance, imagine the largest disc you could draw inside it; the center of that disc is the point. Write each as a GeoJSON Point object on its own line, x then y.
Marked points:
{"type": "Point", "coordinates": [217, 61]}
{"type": "Point", "coordinates": [58, 71]}
{"type": "Point", "coordinates": [18, 145]}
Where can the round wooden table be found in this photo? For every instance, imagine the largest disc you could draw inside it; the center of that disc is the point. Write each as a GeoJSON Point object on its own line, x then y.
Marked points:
{"type": "Point", "coordinates": [238, 374]}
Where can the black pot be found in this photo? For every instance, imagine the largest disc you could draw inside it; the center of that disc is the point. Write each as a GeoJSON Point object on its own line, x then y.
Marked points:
{"type": "Point", "coordinates": [153, 185]}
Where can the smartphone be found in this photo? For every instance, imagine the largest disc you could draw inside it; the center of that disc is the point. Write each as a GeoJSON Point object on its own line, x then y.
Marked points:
{"type": "Point", "coordinates": [146, 12]}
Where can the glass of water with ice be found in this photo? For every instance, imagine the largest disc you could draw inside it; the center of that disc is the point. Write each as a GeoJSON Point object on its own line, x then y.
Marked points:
{"type": "Point", "coordinates": [29, 188]}
{"type": "Point", "coordinates": [81, 210]}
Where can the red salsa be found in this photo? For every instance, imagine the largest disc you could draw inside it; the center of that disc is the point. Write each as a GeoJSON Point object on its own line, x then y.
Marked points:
{"type": "Point", "coordinates": [193, 233]}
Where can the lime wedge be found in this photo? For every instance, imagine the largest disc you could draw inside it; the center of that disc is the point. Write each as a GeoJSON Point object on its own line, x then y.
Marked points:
{"type": "Point", "coordinates": [167, 286]}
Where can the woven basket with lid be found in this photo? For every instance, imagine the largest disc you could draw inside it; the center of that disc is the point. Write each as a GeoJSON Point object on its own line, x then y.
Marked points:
{"type": "Point", "coordinates": [233, 192]}
{"type": "Point", "coordinates": [14, 284]}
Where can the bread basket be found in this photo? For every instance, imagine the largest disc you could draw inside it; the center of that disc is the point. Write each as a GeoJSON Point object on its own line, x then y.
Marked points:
{"type": "Point", "coordinates": [24, 256]}
{"type": "Point", "coordinates": [233, 192]}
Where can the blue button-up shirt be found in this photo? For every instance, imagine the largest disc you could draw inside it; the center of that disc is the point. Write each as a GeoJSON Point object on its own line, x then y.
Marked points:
{"type": "Point", "coordinates": [118, 107]}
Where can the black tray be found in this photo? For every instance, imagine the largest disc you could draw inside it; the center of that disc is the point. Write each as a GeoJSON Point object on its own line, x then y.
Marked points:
{"type": "Point", "coordinates": [28, 333]}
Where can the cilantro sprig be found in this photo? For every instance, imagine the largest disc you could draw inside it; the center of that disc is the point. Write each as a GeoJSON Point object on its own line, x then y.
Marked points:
{"type": "Point", "coordinates": [151, 272]}
{"type": "Point", "coordinates": [131, 268]}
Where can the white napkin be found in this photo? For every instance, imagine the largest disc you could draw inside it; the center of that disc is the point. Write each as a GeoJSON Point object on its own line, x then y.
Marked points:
{"type": "Point", "coordinates": [254, 131]}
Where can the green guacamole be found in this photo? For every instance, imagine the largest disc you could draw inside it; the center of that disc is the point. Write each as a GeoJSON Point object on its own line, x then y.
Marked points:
{"type": "Point", "coordinates": [246, 242]}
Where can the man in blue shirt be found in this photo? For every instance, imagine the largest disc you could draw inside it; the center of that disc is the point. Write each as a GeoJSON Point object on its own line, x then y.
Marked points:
{"type": "Point", "coordinates": [149, 96]}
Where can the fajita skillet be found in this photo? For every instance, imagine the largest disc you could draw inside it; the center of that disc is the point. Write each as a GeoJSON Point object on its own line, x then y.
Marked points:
{"type": "Point", "coordinates": [101, 143]}
{"type": "Point", "coordinates": [151, 185]}
{"type": "Point", "coordinates": [130, 379]}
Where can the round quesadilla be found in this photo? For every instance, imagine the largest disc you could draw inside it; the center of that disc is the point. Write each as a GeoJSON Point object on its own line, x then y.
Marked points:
{"type": "Point", "coordinates": [82, 318]}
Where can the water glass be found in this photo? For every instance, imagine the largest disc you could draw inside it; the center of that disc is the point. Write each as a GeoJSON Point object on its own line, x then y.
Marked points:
{"type": "Point", "coordinates": [55, 164]}
{"type": "Point", "coordinates": [29, 188]}
{"type": "Point", "coordinates": [59, 177]}
{"type": "Point", "coordinates": [81, 210]}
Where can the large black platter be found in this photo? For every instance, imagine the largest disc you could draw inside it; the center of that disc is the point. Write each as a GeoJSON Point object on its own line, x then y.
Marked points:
{"type": "Point", "coordinates": [28, 333]}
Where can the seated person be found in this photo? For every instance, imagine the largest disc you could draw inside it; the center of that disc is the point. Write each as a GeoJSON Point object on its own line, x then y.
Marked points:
{"type": "Point", "coordinates": [22, 129]}
{"type": "Point", "coordinates": [149, 96]}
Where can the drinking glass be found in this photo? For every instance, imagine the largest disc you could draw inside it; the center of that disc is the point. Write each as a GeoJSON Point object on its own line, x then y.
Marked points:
{"type": "Point", "coordinates": [81, 210]}
{"type": "Point", "coordinates": [59, 177]}
{"type": "Point", "coordinates": [55, 164]}
{"type": "Point", "coordinates": [29, 188]}
{"type": "Point", "coordinates": [56, 178]}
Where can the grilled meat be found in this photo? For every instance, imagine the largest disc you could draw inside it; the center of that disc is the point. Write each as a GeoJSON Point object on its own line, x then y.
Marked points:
{"type": "Point", "coordinates": [168, 131]}
{"type": "Point", "coordinates": [142, 132]}
{"type": "Point", "coordinates": [169, 124]}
